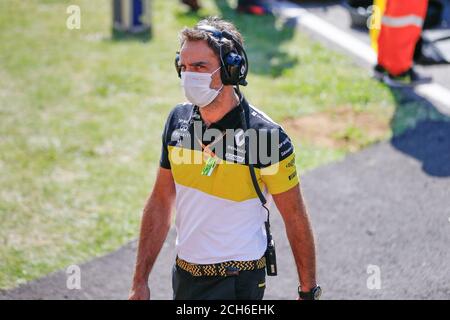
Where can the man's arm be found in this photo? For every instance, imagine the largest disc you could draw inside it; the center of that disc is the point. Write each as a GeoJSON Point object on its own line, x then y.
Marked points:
{"type": "Point", "coordinates": [299, 232]}
{"type": "Point", "coordinates": [155, 224]}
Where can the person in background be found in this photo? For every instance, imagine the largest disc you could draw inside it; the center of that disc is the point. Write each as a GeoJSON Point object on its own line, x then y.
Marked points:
{"type": "Point", "coordinates": [192, 4]}
{"type": "Point", "coordinates": [255, 7]}
{"type": "Point", "coordinates": [401, 26]}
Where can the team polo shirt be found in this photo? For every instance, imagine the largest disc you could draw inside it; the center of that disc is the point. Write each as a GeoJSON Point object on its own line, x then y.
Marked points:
{"type": "Point", "coordinates": [219, 217]}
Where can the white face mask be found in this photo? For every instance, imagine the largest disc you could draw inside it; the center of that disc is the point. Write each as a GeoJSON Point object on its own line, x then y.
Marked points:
{"type": "Point", "coordinates": [196, 87]}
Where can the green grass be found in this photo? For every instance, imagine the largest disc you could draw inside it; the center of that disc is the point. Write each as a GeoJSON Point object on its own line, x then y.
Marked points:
{"type": "Point", "coordinates": [81, 118]}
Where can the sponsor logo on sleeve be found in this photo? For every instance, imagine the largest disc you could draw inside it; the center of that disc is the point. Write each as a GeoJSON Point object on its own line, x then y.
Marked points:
{"type": "Point", "coordinates": [293, 175]}
{"type": "Point", "coordinates": [291, 163]}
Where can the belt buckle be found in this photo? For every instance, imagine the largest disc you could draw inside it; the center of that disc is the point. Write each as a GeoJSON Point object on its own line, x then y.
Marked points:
{"type": "Point", "coordinates": [231, 271]}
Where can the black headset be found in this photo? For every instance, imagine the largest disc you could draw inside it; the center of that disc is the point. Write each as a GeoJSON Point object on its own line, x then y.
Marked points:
{"type": "Point", "coordinates": [234, 64]}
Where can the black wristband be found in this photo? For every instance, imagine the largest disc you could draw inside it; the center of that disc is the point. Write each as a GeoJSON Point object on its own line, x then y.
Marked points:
{"type": "Point", "coordinates": [313, 294]}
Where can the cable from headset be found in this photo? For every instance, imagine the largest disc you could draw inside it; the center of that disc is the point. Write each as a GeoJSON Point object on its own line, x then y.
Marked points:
{"type": "Point", "coordinates": [245, 126]}
{"type": "Point", "coordinates": [269, 254]}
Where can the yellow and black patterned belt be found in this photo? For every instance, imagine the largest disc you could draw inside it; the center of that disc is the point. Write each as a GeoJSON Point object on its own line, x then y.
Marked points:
{"type": "Point", "coordinates": [224, 269]}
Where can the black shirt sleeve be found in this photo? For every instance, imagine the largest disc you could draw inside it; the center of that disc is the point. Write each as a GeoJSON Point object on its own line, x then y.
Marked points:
{"type": "Point", "coordinates": [282, 175]}
{"type": "Point", "coordinates": [164, 160]}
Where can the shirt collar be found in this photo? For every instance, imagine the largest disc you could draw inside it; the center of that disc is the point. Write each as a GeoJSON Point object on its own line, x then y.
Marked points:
{"type": "Point", "coordinates": [231, 120]}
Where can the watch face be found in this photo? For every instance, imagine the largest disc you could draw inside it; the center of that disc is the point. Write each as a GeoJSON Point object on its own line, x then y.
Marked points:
{"type": "Point", "coordinates": [317, 291]}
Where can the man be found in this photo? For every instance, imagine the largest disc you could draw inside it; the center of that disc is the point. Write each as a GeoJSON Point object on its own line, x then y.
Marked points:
{"type": "Point", "coordinates": [221, 235]}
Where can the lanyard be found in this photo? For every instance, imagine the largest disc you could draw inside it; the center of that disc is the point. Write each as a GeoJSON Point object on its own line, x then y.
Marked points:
{"type": "Point", "coordinates": [207, 148]}
{"type": "Point", "coordinates": [213, 160]}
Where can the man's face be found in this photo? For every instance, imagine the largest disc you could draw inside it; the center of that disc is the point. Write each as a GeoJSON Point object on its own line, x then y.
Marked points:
{"type": "Point", "coordinates": [197, 56]}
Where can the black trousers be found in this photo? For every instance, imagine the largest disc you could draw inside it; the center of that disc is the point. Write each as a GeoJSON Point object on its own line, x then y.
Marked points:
{"type": "Point", "coordinates": [248, 285]}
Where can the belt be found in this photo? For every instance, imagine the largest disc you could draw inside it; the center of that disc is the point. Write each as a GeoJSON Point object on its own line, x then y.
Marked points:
{"type": "Point", "coordinates": [223, 269]}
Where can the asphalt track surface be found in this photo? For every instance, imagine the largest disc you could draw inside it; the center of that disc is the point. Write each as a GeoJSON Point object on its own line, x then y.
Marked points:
{"type": "Point", "coordinates": [388, 206]}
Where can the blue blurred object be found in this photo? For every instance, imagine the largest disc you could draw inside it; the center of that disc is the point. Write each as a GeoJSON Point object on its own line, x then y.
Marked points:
{"type": "Point", "coordinates": [446, 14]}
{"type": "Point", "coordinates": [131, 16]}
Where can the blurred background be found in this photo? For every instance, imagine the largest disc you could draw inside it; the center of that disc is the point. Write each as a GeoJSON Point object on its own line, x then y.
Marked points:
{"type": "Point", "coordinates": [82, 109]}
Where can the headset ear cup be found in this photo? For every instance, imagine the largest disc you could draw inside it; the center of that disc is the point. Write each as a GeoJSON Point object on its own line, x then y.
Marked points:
{"type": "Point", "coordinates": [225, 75]}
{"type": "Point", "coordinates": [177, 64]}
{"type": "Point", "coordinates": [233, 69]}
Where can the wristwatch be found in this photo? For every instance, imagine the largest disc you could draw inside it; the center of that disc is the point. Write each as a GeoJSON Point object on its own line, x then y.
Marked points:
{"type": "Point", "coordinates": [314, 294]}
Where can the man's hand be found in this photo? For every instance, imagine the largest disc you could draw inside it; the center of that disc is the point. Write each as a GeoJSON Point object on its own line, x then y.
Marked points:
{"type": "Point", "coordinates": [140, 292]}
